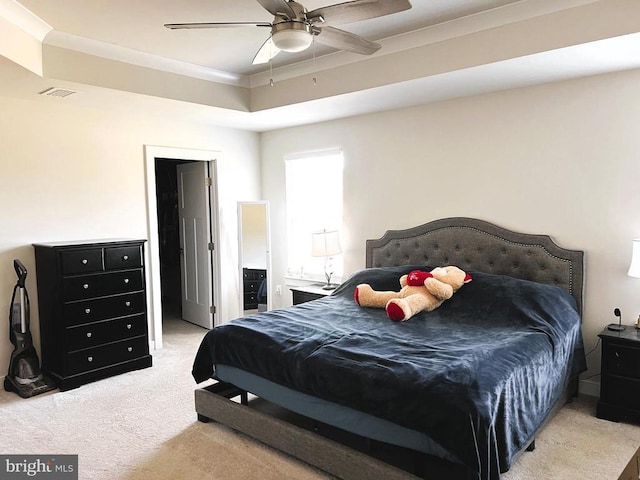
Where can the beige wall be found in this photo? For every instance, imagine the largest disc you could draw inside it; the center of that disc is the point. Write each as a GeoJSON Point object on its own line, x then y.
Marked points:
{"type": "Point", "coordinates": [561, 159]}
{"type": "Point", "coordinates": [73, 173]}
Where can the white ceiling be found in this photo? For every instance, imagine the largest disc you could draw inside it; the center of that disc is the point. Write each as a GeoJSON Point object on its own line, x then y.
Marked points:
{"type": "Point", "coordinates": [447, 58]}
{"type": "Point", "coordinates": [138, 25]}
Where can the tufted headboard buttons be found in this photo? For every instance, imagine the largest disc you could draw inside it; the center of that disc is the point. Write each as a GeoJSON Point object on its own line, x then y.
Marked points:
{"type": "Point", "coordinates": [474, 244]}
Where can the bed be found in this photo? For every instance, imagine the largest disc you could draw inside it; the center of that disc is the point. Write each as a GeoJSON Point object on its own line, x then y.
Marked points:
{"type": "Point", "coordinates": [466, 386]}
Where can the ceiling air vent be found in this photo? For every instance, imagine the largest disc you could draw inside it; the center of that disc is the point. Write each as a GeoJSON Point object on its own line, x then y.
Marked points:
{"type": "Point", "coordinates": [57, 92]}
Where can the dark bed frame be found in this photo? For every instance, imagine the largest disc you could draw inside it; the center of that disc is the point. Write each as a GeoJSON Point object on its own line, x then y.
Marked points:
{"type": "Point", "coordinates": [471, 244]}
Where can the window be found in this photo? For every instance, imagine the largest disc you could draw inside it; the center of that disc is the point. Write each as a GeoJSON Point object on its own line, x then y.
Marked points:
{"type": "Point", "coordinates": [314, 203]}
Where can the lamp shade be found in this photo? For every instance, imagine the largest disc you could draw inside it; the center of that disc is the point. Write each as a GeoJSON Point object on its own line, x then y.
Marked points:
{"type": "Point", "coordinates": [325, 243]}
{"type": "Point", "coordinates": [634, 268]}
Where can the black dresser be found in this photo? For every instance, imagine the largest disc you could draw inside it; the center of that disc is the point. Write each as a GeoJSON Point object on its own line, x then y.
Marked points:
{"type": "Point", "coordinates": [620, 375]}
{"type": "Point", "coordinates": [92, 309]}
{"type": "Point", "coordinates": [252, 278]}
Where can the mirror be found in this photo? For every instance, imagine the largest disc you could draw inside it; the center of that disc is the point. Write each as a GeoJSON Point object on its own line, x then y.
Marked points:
{"type": "Point", "coordinates": [254, 256]}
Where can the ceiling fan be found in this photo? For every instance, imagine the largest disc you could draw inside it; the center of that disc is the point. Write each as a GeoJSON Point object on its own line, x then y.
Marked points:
{"type": "Point", "coordinates": [294, 28]}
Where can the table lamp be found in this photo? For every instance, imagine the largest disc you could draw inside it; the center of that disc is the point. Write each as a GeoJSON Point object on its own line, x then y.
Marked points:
{"type": "Point", "coordinates": [326, 244]}
{"type": "Point", "coordinates": [634, 268]}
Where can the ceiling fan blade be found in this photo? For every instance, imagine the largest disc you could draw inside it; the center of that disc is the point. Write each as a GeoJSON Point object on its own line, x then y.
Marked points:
{"type": "Point", "coordinates": [184, 26]}
{"type": "Point", "coordinates": [355, 11]}
{"type": "Point", "coordinates": [267, 51]}
{"type": "Point", "coordinates": [278, 8]}
{"type": "Point", "coordinates": [342, 40]}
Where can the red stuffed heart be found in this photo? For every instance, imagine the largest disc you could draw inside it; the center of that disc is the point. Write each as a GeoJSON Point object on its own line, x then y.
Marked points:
{"type": "Point", "coordinates": [416, 278]}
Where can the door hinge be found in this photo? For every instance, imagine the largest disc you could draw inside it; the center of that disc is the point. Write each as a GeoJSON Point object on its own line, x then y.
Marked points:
{"type": "Point", "coordinates": [212, 309]}
{"type": "Point", "coordinates": [208, 181]}
{"type": "Point", "coordinates": [210, 246]}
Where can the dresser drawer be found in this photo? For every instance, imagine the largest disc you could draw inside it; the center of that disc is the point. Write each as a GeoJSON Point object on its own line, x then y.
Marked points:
{"type": "Point", "coordinates": [110, 354]}
{"type": "Point", "coordinates": [254, 274]}
{"type": "Point", "coordinates": [81, 261]}
{"type": "Point", "coordinates": [101, 285]}
{"type": "Point", "coordinates": [252, 286]}
{"type": "Point", "coordinates": [250, 300]}
{"type": "Point", "coordinates": [94, 334]}
{"type": "Point", "coordinates": [621, 360]}
{"type": "Point", "coordinates": [122, 257]}
{"type": "Point", "coordinates": [89, 311]}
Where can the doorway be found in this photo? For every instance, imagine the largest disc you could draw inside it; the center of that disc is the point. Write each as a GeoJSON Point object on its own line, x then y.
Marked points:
{"type": "Point", "coordinates": [168, 236]}
{"type": "Point", "coordinates": [172, 268]}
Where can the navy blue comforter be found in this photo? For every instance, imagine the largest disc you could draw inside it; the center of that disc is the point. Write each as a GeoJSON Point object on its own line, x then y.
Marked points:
{"type": "Point", "coordinates": [478, 375]}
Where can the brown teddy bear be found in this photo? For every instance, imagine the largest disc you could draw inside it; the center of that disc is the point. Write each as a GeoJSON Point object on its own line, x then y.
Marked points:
{"type": "Point", "coordinates": [421, 291]}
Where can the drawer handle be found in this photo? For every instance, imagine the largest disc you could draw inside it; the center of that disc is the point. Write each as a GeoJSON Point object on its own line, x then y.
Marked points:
{"type": "Point", "coordinates": [127, 303]}
{"type": "Point", "coordinates": [126, 280]}
{"type": "Point", "coordinates": [128, 326]}
{"type": "Point", "coordinates": [125, 257]}
{"type": "Point", "coordinates": [89, 334]}
{"type": "Point", "coordinates": [89, 359]}
{"type": "Point", "coordinates": [87, 311]}
{"type": "Point", "coordinates": [85, 286]}
{"type": "Point", "coordinates": [130, 349]}
{"type": "Point", "coordinates": [85, 261]}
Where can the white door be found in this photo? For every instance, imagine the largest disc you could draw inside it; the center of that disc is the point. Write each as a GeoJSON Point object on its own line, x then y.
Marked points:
{"type": "Point", "coordinates": [195, 237]}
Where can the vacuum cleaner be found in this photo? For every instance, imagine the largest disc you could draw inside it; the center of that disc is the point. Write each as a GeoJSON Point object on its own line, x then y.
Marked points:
{"type": "Point", "coordinates": [24, 377]}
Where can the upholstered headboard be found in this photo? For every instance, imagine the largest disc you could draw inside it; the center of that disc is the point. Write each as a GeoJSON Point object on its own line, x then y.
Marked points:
{"type": "Point", "coordinates": [474, 244]}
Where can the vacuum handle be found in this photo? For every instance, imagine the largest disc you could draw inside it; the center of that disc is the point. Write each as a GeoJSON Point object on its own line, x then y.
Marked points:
{"type": "Point", "coordinates": [21, 271]}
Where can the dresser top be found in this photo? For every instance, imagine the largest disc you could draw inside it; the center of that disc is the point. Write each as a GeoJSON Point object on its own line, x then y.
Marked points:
{"type": "Point", "coordinates": [81, 243]}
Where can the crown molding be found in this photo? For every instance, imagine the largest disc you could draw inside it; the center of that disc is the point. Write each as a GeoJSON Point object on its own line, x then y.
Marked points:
{"type": "Point", "coordinates": [135, 57]}
{"type": "Point", "coordinates": [496, 17]}
{"type": "Point", "coordinates": [22, 18]}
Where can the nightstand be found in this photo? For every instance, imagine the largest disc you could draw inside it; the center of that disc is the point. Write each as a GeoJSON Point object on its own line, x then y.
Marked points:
{"type": "Point", "coordinates": [620, 375]}
{"type": "Point", "coordinates": [306, 293]}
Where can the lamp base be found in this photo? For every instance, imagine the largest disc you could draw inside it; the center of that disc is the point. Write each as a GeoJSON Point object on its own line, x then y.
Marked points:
{"type": "Point", "coordinates": [329, 286]}
{"type": "Point", "coordinates": [615, 328]}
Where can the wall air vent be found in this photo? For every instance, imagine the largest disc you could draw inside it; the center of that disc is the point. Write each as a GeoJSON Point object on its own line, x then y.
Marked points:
{"type": "Point", "coordinates": [57, 92]}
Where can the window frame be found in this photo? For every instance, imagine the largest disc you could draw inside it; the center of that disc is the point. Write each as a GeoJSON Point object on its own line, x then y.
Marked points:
{"type": "Point", "coordinates": [300, 264]}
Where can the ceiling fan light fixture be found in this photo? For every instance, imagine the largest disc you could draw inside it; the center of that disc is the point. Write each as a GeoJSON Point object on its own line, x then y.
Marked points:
{"type": "Point", "coordinates": [292, 36]}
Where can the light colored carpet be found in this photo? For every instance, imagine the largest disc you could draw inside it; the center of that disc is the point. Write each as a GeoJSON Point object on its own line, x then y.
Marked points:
{"type": "Point", "coordinates": [142, 425]}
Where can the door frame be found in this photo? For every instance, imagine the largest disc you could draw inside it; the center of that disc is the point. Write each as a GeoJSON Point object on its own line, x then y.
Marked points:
{"type": "Point", "coordinates": [152, 252]}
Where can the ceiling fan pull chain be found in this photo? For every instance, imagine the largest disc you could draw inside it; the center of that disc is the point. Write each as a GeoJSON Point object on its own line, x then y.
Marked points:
{"type": "Point", "coordinates": [271, 68]}
{"type": "Point", "coordinates": [313, 51]}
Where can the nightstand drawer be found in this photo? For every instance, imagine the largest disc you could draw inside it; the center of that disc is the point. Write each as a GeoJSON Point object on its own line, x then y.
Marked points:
{"type": "Point", "coordinates": [621, 360]}
{"type": "Point", "coordinates": [81, 261]}
{"type": "Point", "coordinates": [110, 354]}
{"type": "Point", "coordinates": [88, 311]}
{"type": "Point", "coordinates": [621, 392]}
{"type": "Point", "coordinates": [101, 285]}
{"type": "Point", "coordinates": [94, 334]}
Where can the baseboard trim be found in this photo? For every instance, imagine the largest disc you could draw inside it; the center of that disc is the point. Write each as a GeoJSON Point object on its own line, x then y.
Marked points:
{"type": "Point", "coordinates": [590, 388]}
